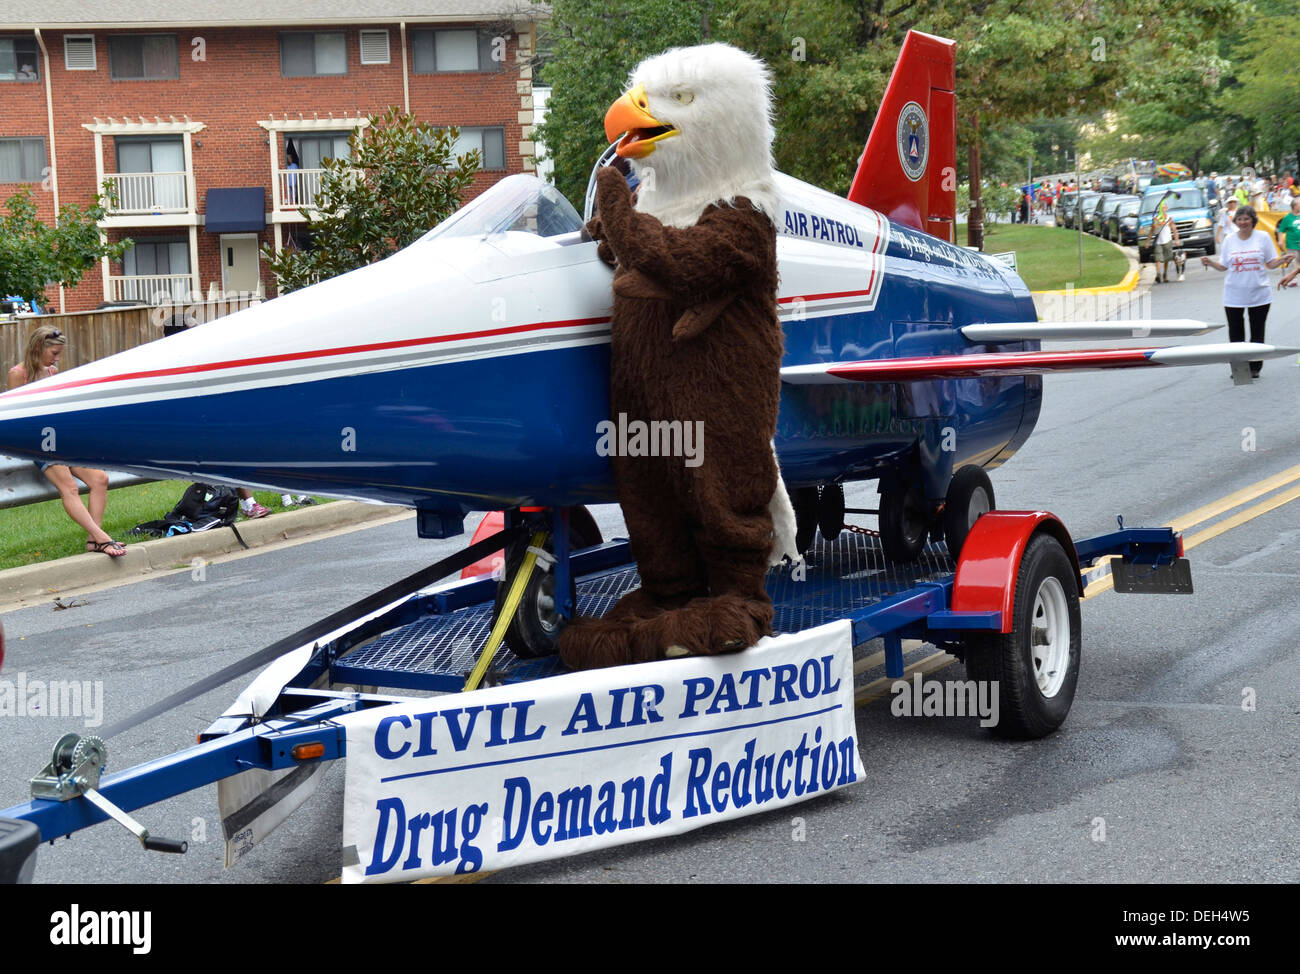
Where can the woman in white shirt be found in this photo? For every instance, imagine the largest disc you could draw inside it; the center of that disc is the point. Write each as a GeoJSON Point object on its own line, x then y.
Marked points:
{"type": "Point", "coordinates": [1246, 257]}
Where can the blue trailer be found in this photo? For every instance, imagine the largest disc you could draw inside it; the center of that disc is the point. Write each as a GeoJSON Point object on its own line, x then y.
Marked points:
{"type": "Point", "coordinates": [1008, 608]}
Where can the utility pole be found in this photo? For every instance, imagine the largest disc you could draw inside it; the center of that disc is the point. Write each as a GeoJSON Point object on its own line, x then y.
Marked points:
{"type": "Point", "coordinates": [1078, 207]}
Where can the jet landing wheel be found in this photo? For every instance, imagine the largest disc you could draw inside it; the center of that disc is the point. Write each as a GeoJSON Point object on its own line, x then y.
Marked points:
{"type": "Point", "coordinates": [969, 495]}
{"type": "Point", "coordinates": [537, 623]}
{"type": "Point", "coordinates": [904, 520]}
{"type": "Point", "coordinates": [1035, 666]}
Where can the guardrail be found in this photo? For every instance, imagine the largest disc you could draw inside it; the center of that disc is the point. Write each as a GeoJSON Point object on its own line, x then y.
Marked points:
{"type": "Point", "coordinates": [21, 483]}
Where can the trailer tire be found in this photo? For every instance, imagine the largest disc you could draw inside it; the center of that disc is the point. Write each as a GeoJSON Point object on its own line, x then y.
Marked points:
{"type": "Point", "coordinates": [904, 519]}
{"type": "Point", "coordinates": [804, 502]}
{"type": "Point", "coordinates": [970, 495]}
{"type": "Point", "coordinates": [1036, 665]}
{"type": "Point", "coordinates": [536, 625]}
{"type": "Point", "coordinates": [830, 511]}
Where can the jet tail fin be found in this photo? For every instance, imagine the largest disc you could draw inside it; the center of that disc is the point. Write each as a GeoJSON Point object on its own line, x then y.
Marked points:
{"type": "Point", "coordinates": [908, 170]}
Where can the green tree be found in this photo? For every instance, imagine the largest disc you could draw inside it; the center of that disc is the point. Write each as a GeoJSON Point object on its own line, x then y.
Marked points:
{"type": "Point", "coordinates": [400, 181]}
{"type": "Point", "coordinates": [34, 255]}
{"type": "Point", "coordinates": [593, 45]}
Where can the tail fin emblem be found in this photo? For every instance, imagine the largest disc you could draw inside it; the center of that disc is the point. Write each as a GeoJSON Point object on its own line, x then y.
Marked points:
{"type": "Point", "coordinates": [913, 140]}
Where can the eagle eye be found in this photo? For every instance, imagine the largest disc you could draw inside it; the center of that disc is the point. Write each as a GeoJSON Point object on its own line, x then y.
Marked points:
{"type": "Point", "coordinates": [683, 97]}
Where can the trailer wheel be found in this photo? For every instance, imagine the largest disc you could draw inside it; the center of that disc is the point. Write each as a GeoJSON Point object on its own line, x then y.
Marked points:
{"type": "Point", "coordinates": [804, 502]}
{"type": "Point", "coordinates": [1036, 665]}
{"type": "Point", "coordinates": [904, 519]}
{"type": "Point", "coordinates": [537, 625]}
{"type": "Point", "coordinates": [830, 511]}
{"type": "Point", "coordinates": [969, 495]}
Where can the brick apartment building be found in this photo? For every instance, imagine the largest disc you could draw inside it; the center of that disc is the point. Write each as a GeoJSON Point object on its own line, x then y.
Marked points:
{"type": "Point", "coordinates": [210, 120]}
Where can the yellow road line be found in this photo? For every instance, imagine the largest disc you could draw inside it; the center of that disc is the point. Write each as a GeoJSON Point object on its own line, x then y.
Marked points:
{"type": "Point", "coordinates": [1248, 493]}
{"type": "Point", "coordinates": [1102, 581]}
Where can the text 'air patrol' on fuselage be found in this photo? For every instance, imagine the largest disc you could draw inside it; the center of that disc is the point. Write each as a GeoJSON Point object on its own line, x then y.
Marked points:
{"type": "Point", "coordinates": [798, 224]}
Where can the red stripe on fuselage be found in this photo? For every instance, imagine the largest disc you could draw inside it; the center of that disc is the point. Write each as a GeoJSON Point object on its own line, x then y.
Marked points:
{"type": "Point", "coordinates": [318, 353]}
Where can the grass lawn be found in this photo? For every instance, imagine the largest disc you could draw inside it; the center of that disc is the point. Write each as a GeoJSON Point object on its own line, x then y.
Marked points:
{"type": "Point", "coordinates": [1048, 257]}
{"type": "Point", "coordinates": [42, 532]}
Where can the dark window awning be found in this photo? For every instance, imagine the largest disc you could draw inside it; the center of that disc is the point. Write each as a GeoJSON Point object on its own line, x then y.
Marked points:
{"type": "Point", "coordinates": [236, 210]}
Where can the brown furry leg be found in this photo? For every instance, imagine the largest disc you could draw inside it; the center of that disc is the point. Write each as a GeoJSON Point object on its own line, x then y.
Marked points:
{"type": "Point", "coordinates": [589, 644]}
{"type": "Point", "coordinates": [704, 627]}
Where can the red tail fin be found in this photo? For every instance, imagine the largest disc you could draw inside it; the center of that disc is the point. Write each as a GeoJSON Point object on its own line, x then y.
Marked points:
{"type": "Point", "coordinates": [908, 169]}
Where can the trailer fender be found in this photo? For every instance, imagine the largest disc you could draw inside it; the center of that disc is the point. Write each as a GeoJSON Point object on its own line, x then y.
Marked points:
{"type": "Point", "coordinates": [990, 560]}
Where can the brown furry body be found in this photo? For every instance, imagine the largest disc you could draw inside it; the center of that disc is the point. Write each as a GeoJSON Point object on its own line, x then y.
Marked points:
{"type": "Point", "coordinates": [695, 338]}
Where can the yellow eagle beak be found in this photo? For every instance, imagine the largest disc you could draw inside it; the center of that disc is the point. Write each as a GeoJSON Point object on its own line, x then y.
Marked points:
{"type": "Point", "coordinates": [628, 117]}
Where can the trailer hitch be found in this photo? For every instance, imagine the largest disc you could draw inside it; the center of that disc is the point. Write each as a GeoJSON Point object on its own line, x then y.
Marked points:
{"type": "Point", "coordinates": [73, 772]}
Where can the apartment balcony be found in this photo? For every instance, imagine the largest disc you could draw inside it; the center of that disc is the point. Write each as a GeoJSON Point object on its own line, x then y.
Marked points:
{"type": "Point", "coordinates": [151, 288]}
{"type": "Point", "coordinates": [297, 189]}
{"type": "Point", "coordinates": [139, 193]}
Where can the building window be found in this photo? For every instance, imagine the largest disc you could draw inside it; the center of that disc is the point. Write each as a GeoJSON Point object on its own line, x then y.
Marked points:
{"type": "Point", "coordinates": [306, 55]}
{"type": "Point", "coordinates": [22, 160]}
{"type": "Point", "coordinates": [490, 143]}
{"type": "Point", "coordinates": [149, 154]}
{"type": "Point", "coordinates": [311, 151]}
{"type": "Point", "coordinates": [143, 57]}
{"type": "Point", "coordinates": [441, 51]}
{"type": "Point", "coordinates": [157, 257]}
{"type": "Point", "coordinates": [18, 61]}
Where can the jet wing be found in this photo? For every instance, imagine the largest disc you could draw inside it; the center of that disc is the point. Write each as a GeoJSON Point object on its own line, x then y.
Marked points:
{"type": "Point", "coordinates": [978, 364]}
{"type": "Point", "coordinates": [1082, 331]}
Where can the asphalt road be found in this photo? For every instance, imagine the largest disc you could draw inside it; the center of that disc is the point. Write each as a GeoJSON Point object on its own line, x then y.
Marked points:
{"type": "Point", "coordinates": [1188, 784]}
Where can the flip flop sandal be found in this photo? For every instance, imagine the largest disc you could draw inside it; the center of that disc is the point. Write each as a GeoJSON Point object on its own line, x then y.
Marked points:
{"type": "Point", "coordinates": [114, 549]}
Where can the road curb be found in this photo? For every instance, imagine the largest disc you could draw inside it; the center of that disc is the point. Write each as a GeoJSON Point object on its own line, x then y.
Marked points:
{"type": "Point", "coordinates": [166, 554]}
{"type": "Point", "coordinates": [1129, 282]}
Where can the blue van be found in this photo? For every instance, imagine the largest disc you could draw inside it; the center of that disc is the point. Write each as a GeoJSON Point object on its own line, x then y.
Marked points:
{"type": "Point", "coordinates": [1193, 214]}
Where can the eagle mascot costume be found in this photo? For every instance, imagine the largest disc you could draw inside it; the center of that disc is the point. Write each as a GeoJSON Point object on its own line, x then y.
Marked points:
{"type": "Point", "coordinates": [695, 339]}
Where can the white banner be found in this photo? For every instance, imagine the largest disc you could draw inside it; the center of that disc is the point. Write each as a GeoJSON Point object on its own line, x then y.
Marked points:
{"type": "Point", "coordinates": [532, 771]}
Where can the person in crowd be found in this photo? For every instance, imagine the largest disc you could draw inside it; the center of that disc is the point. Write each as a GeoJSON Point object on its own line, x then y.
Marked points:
{"type": "Point", "coordinates": [1246, 257]}
{"type": "Point", "coordinates": [1288, 233]}
{"type": "Point", "coordinates": [1225, 225]}
{"type": "Point", "coordinates": [1164, 231]}
{"type": "Point", "coordinates": [40, 361]}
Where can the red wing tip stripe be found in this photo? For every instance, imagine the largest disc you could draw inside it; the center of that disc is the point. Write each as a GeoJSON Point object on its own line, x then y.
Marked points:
{"type": "Point", "coordinates": [318, 353]}
{"type": "Point", "coordinates": [990, 363]}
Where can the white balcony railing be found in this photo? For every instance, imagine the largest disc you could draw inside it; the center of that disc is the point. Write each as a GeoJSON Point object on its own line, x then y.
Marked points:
{"type": "Point", "coordinates": [146, 192]}
{"type": "Point", "coordinates": [299, 187]}
{"type": "Point", "coordinates": [151, 288]}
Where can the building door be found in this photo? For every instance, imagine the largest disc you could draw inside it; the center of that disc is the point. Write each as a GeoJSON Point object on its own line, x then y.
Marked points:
{"type": "Point", "coordinates": [239, 271]}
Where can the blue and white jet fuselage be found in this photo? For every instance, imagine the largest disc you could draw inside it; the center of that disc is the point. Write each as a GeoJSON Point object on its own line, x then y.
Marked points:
{"type": "Point", "coordinates": [470, 370]}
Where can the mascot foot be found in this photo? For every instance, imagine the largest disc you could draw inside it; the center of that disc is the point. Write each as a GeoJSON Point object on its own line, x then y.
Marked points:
{"type": "Point", "coordinates": [704, 627]}
{"type": "Point", "coordinates": [589, 644]}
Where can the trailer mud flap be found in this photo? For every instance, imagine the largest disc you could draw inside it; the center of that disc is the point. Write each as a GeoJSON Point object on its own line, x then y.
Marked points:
{"type": "Point", "coordinates": [254, 804]}
{"type": "Point", "coordinates": [1135, 578]}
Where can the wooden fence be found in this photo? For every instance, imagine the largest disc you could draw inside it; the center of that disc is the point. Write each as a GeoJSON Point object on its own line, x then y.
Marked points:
{"type": "Point", "coordinates": [98, 334]}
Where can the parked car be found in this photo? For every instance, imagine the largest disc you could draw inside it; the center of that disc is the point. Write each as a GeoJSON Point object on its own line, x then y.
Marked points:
{"type": "Point", "coordinates": [1108, 184]}
{"type": "Point", "coordinates": [1071, 205]}
{"type": "Point", "coordinates": [1122, 224]}
{"type": "Point", "coordinates": [1107, 207]}
{"type": "Point", "coordinates": [1088, 210]}
{"type": "Point", "coordinates": [1192, 214]}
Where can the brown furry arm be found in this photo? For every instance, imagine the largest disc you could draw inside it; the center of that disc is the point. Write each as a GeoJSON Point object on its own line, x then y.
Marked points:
{"type": "Point", "coordinates": [728, 250]}
{"type": "Point", "coordinates": [594, 231]}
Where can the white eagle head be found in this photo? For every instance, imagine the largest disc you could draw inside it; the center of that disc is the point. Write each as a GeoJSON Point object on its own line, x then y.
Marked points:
{"type": "Point", "coordinates": [697, 124]}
